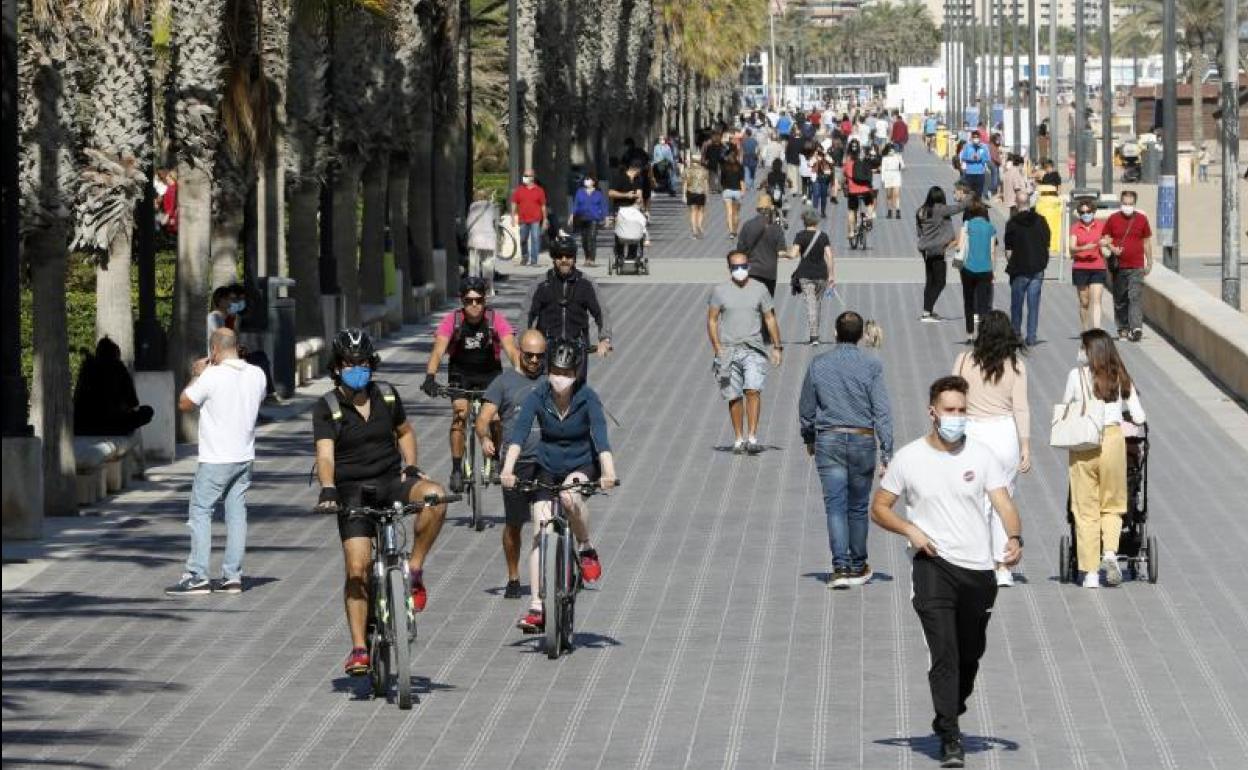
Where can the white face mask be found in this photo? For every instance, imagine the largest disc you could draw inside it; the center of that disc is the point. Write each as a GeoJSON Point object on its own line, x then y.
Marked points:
{"type": "Point", "coordinates": [1126, 210]}
{"type": "Point", "coordinates": [740, 274]}
{"type": "Point", "coordinates": [526, 179]}
{"type": "Point", "coordinates": [561, 383]}
{"type": "Point", "coordinates": [589, 184]}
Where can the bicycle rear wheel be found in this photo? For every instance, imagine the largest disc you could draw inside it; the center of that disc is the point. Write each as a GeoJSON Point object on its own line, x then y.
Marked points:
{"type": "Point", "coordinates": [474, 479]}
{"type": "Point", "coordinates": [552, 606]}
{"type": "Point", "coordinates": [398, 595]}
{"type": "Point", "coordinates": [507, 244]}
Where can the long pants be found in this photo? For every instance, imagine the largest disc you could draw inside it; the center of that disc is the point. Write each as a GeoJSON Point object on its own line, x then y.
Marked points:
{"type": "Point", "coordinates": [530, 242]}
{"type": "Point", "coordinates": [954, 605]}
{"type": "Point", "coordinates": [481, 265]}
{"type": "Point", "coordinates": [1128, 290]}
{"type": "Point", "coordinates": [1025, 289]}
{"type": "Point", "coordinates": [748, 165]}
{"type": "Point", "coordinates": [846, 464]}
{"type": "Point", "coordinates": [976, 297]}
{"type": "Point", "coordinates": [820, 194]}
{"type": "Point", "coordinates": [975, 182]}
{"type": "Point", "coordinates": [812, 294]}
{"type": "Point", "coordinates": [216, 482]}
{"type": "Point", "coordinates": [589, 239]}
{"type": "Point", "coordinates": [1000, 435]}
{"type": "Point", "coordinates": [1098, 496]}
{"type": "Point", "coordinates": [935, 275]}
{"type": "Point", "coordinates": [793, 173]}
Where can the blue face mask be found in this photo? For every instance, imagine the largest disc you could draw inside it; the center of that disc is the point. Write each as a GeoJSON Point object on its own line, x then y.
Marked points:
{"type": "Point", "coordinates": [357, 377]}
{"type": "Point", "coordinates": [1087, 219]}
{"type": "Point", "coordinates": [237, 307]}
{"type": "Point", "coordinates": [952, 427]}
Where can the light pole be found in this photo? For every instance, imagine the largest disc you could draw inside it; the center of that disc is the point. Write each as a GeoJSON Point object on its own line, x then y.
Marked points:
{"type": "Point", "coordinates": [1167, 187]}
{"type": "Point", "coordinates": [1054, 133]}
{"type": "Point", "coordinates": [1107, 103]}
{"type": "Point", "coordinates": [1081, 92]}
{"type": "Point", "coordinates": [1230, 154]}
{"type": "Point", "coordinates": [513, 98]}
{"type": "Point", "coordinates": [1033, 81]}
{"type": "Point", "coordinates": [1018, 107]}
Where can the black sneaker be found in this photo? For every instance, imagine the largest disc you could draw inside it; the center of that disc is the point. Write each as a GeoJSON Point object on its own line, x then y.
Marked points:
{"type": "Point", "coordinates": [753, 447]}
{"type": "Point", "coordinates": [231, 585]}
{"type": "Point", "coordinates": [190, 585]}
{"type": "Point", "coordinates": [512, 591]}
{"type": "Point", "coordinates": [1136, 335]}
{"type": "Point", "coordinates": [457, 477]}
{"type": "Point", "coordinates": [951, 753]}
{"type": "Point", "coordinates": [839, 579]}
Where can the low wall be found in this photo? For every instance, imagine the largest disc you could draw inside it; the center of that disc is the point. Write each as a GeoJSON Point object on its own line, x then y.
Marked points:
{"type": "Point", "coordinates": [1204, 327]}
{"type": "Point", "coordinates": [23, 487]}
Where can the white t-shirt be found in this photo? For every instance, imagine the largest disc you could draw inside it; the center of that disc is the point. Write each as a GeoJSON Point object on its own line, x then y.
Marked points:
{"type": "Point", "coordinates": [229, 396]}
{"type": "Point", "coordinates": [944, 494]}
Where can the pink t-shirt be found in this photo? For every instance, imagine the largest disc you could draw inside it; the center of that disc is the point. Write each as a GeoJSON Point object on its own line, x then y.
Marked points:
{"type": "Point", "coordinates": [447, 326]}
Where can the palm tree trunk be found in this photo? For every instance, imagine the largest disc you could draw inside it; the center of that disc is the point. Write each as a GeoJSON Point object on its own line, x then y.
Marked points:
{"type": "Point", "coordinates": [303, 246]}
{"type": "Point", "coordinates": [420, 200]}
{"type": "Point", "coordinates": [396, 200]}
{"type": "Point", "coordinates": [346, 236]}
{"type": "Point", "coordinates": [227, 232]}
{"type": "Point", "coordinates": [1198, 101]}
{"type": "Point", "coordinates": [114, 314]}
{"type": "Point", "coordinates": [190, 298]}
{"type": "Point", "coordinates": [51, 407]}
{"type": "Point", "coordinates": [373, 231]}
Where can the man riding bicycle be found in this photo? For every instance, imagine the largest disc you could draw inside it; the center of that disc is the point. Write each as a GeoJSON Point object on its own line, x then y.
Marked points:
{"type": "Point", "coordinates": [475, 336]}
{"type": "Point", "coordinates": [858, 186]}
{"type": "Point", "coordinates": [573, 448]}
{"type": "Point", "coordinates": [560, 305]}
{"type": "Point", "coordinates": [363, 440]}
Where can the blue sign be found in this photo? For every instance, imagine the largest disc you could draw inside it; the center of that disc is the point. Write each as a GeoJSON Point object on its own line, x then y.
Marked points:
{"type": "Point", "coordinates": [1167, 200]}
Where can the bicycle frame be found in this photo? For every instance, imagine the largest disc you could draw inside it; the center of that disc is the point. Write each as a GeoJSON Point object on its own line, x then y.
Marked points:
{"type": "Point", "coordinates": [471, 461]}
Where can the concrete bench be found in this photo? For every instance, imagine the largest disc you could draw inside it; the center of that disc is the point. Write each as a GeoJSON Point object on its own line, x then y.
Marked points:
{"type": "Point", "coordinates": [104, 465]}
{"type": "Point", "coordinates": [308, 359]}
{"type": "Point", "coordinates": [373, 320]}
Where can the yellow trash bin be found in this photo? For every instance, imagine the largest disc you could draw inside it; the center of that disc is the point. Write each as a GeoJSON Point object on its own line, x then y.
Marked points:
{"type": "Point", "coordinates": [942, 142]}
{"type": "Point", "coordinates": [1049, 206]}
{"type": "Point", "coordinates": [916, 124]}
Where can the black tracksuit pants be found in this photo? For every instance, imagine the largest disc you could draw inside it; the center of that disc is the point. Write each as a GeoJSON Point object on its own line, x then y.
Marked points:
{"type": "Point", "coordinates": [954, 605]}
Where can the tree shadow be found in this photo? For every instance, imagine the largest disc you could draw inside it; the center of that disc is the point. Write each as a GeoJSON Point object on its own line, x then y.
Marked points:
{"type": "Point", "coordinates": [24, 762]}
{"type": "Point", "coordinates": [63, 738]}
{"type": "Point", "coordinates": [81, 606]}
{"type": "Point", "coordinates": [929, 745]}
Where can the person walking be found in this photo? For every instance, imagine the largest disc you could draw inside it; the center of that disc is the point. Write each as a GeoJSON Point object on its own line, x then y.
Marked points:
{"type": "Point", "coordinates": [737, 311]}
{"type": "Point", "coordinates": [997, 412]}
{"type": "Point", "coordinates": [815, 273]}
{"type": "Point", "coordinates": [1013, 182]}
{"type": "Point", "coordinates": [749, 157]}
{"type": "Point", "coordinates": [933, 223]}
{"type": "Point", "coordinates": [228, 392]}
{"type": "Point", "coordinates": [943, 479]}
{"type": "Point", "coordinates": [732, 182]}
{"type": "Point", "coordinates": [1027, 257]}
{"type": "Point", "coordinates": [898, 133]}
{"type": "Point", "coordinates": [843, 412]}
{"type": "Point", "coordinates": [825, 182]}
{"type": "Point", "coordinates": [891, 166]}
{"type": "Point", "coordinates": [697, 185]}
{"type": "Point", "coordinates": [974, 159]}
{"type": "Point", "coordinates": [793, 145]}
{"type": "Point", "coordinates": [1098, 476]}
{"type": "Point", "coordinates": [978, 247]}
{"type": "Point", "coordinates": [1088, 269]}
{"type": "Point", "coordinates": [528, 213]}
{"type": "Point", "coordinates": [763, 240]}
{"type": "Point", "coordinates": [589, 212]}
{"type": "Point", "coordinates": [481, 224]}
{"type": "Point", "coordinates": [1131, 249]}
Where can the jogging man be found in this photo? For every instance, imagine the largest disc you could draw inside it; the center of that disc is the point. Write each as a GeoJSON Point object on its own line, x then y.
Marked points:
{"type": "Point", "coordinates": [561, 305]}
{"type": "Point", "coordinates": [736, 313]}
{"type": "Point", "coordinates": [944, 478]}
{"type": "Point", "coordinates": [504, 398]}
{"type": "Point", "coordinates": [476, 337]}
{"type": "Point", "coordinates": [363, 440]}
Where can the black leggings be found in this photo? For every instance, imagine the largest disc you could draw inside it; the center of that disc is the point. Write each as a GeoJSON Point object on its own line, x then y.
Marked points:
{"type": "Point", "coordinates": [976, 297]}
{"type": "Point", "coordinates": [934, 270]}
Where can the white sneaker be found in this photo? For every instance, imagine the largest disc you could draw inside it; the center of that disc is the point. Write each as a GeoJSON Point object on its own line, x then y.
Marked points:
{"type": "Point", "coordinates": [1005, 578]}
{"type": "Point", "coordinates": [1092, 579]}
{"type": "Point", "coordinates": [1109, 563]}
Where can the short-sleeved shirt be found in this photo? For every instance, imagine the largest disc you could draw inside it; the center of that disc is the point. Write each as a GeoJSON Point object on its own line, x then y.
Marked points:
{"type": "Point", "coordinates": [944, 494]}
{"type": "Point", "coordinates": [763, 241]}
{"type": "Point", "coordinates": [812, 267]}
{"type": "Point", "coordinates": [529, 202]}
{"type": "Point", "coordinates": [475, 351]}
{"type": "Point", "coordinates": [362, 450]}
{"type": "Point", "coordinates": [731, 176]}
{"type": "Point", "coordinates": [929, 126]}
{"type": "Point", "coordinates": [741, 310]}
{"type": "Point", "coordinates": [1082, 234]}
{"type": "Point", "coordinates": [620, 182]}
{"type": "Point", "coordinates": [507, 392]}
{"type": "Point", "coordinates": [979, 235]}
{"type": "Point", "coordinates": [228, 395]}
{"type": "Point", "coordinates": [1129, 234]}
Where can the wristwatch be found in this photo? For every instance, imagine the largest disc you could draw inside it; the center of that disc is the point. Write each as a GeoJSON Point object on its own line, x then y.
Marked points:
{"type": "Point", "coordinates": [1019, 538]}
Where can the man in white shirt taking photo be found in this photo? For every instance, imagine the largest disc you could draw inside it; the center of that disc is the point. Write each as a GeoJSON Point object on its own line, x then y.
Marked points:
{"type": "Point", "coordinates": [943, 479]}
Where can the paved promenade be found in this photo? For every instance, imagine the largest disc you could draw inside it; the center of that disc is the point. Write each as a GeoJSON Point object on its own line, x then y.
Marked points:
{"type": "Point", "coordinates": [712, 641]}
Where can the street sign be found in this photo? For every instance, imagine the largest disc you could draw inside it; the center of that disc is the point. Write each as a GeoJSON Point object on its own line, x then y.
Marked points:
{"type": "Point", "coordinates": [1166, 199]}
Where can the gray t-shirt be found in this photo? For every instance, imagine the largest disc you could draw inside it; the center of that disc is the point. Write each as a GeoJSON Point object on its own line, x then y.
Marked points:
{"type": "Point", "coordinates": [763, 241]}
{"type": "Point", "coordinates": [508, 392]}
{"type": "Point", "coordinates": [741, 310]}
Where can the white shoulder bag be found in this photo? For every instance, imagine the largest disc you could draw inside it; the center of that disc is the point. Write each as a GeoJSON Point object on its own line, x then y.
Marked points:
{"type": "Point", "coordinates": [1077, 426]}
{"type": "Point", "coordinates": [959, 256]}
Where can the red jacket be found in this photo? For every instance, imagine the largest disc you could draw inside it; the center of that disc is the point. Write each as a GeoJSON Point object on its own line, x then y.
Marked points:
{"type": "Point", "coordinates": [900, 133]}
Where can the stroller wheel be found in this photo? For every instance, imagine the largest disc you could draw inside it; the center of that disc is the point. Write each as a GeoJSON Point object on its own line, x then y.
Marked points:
{"type": "Point", "coordinates": [1064, 572]}
{"type": "Point", "coordinates": [1152, 559]}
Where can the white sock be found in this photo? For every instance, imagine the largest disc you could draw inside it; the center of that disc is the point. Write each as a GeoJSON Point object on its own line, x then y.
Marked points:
{"type": "Point", "coordinates": [753, 439]}
{"type": "Point", "coordinates": [1108, 555]}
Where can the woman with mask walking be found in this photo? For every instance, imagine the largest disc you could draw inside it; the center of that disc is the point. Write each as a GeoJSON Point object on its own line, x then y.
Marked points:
{"type": "Point", "coordinates": [934, 225]}
{"type": "Point", "coordinates": [979, 247]}
{"type": "Point", "coordinates": [1088, 268]}
{"type": "Point", "coordinates": [589, 211]}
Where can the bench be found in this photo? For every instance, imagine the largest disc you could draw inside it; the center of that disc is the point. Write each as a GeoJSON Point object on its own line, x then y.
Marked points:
{"type": "Point", "coordinates": [374, 320]}
{"type": "Point", "coordinates": [308, 359]}
{"type": "Point", "coordinates": [103, 465]}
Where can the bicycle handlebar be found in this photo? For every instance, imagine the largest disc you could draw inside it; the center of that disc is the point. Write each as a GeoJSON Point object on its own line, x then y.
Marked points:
{"type": "Point", "coordinates": [453, 393]}
{"type": "Point", "coordinates": [586, 488]}
{"type": "Point", "coordinates": [399, 510]}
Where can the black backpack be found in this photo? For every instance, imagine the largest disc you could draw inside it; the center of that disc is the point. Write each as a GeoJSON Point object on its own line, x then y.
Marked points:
{"type": "Point", "coordinates": [388, 397]}
{"type": "Point", "coordinates": [862, 171]}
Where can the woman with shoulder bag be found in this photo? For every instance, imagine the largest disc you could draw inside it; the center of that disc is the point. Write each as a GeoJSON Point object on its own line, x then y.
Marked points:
{"type": "Point", "coordinates": [934, 225]}
{"type": "Point", "coordinates": [1098, 476]}
{"type": "Point", "coordinates": [816, 272]}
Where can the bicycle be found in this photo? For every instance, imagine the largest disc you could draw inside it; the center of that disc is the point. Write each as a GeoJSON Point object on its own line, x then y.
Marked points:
{"type": "Point", "coordinates": [391, 631]}
{"type": "Point", "coordinates": [560, 568]}
{"type": "Point", "coordinates": [470, 463]}
{"type": "Point", "coordinates": [507, 240]}
{"type": "Point", "coordinates": [858, 237]}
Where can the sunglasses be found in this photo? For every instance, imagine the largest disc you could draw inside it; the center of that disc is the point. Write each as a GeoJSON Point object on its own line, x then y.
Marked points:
{"type": "Point", "coordinates": [532, 356]}
{"type": "Point", "coordinates": [567, 257]}
{"type": "Point", "coordinates": [474, 300]}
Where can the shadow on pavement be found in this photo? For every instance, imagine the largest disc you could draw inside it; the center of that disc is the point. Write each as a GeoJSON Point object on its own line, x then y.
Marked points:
{"type": "Point", "coordinates": [360, 687]}
{"type": "Point", "coordinates": [929, 745]}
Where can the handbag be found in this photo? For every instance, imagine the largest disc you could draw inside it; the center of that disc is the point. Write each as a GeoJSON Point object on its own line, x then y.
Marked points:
{"type": "Point", "coordinates": [1111, 259]}
{"type": "Point", "coordinates": [959, 257]}
{"type": "Point", "coordinates": [1078, 427]}
{"type": "Point", "coordinates": [795, 283]}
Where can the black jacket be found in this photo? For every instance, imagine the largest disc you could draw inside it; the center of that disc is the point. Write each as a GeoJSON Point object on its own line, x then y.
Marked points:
{"type": "Point", "coordinates": [1027, 241]}
{"type": "Point", "coordinates": [561, 307]}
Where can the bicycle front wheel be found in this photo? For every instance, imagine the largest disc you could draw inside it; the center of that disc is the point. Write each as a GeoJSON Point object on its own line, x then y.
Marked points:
{"type": "Point", "coordinates": [399, 644]}
{"type": "Point", "coordinates": [508, 245]}
{"type": "Point", "coordinates": [476, 479]}
{"type": "Point", "coordinates": [552, 604]}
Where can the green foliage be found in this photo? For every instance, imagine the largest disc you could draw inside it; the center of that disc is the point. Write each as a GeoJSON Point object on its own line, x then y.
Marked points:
{"type": "Point", "coordinates": [495, 182]}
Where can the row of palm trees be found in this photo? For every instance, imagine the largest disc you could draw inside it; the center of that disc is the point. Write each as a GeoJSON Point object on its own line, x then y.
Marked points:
{"type": "Point", "coordinates": [880, 37]}
{"type": "Point", "coordinates": [302, 132]}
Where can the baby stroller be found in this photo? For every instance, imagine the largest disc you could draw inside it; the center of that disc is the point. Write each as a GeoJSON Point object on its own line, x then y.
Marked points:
{"type": "Point", "coordinates": [1131, 170]}
{"type": "Point", "coordinates": [629, 251]}
{"type": "Point", "coordinates": [1137, 548]}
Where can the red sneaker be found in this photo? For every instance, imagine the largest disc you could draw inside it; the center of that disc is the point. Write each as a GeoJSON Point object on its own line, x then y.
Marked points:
{"type": "Point", "coordinates": [420, 597]}
{"type": "Point", "coordinates": [532, 623]}
{"type": "Point", "coordinates": [591, 568]}
{"type": "Point", "coordinates": [357, 663]}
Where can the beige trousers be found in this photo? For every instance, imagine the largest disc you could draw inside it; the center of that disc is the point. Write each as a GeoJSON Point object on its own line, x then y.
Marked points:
{"type": "Point", "coordinates": [1098, 496]}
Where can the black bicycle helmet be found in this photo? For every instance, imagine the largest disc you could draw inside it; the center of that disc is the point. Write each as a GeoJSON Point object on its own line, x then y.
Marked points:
{"type": "Point", "coordinates": [565, 354]}
{"type": "Point", "coordinates": [563, 245]}
{"type": "Point", "coordinates": [353, 346]}
{"type": "Point", "coordinates": [472, 283]}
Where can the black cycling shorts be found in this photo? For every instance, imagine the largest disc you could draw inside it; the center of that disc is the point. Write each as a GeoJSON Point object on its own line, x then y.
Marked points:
{"type": "Point", "coordinates": [388, 490]}
{"type": "Point", "coordinates": [469, 379]}
{"type": "Point", "coordinates": [546, 477]}
{"type": "Point", "coordinates": [860, 199]}
{"type": "Point", "coordinates": [516, 503]}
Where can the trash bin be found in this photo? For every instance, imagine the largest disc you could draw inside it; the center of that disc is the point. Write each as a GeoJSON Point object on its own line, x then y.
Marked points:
{"type": "Point", "coordinates": [271, 328]}
{"type": "Point", "coordinates": [1049, 206]}
{"type": "Point", "coordinates": [1150, 160]}
{"type": "Point", "coordinates": [942, 142]}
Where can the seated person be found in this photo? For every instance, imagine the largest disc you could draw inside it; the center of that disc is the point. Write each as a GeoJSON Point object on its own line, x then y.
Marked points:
{"type": "Point", "coordinates": [630, 228]}
{"type": "Point", "coordinates": [105, 403]}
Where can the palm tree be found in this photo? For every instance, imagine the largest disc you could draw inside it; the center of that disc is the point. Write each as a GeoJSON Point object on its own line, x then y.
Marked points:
{"type": "Point", "coordinates": [47, 181]}
{"type": "Point", "coordinates": [116, 159]}
{"type": "Point", "coordinates": [413, 40]}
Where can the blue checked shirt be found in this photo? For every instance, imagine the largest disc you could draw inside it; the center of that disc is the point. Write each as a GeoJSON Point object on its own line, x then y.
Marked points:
{"type": "Point", "coordinates": [845, 388]}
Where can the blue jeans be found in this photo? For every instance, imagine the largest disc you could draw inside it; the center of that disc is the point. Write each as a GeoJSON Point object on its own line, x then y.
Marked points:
{"type": "Point", "coordinates": [216, 482]}
{"type": "Point", "coordinates": [749, 173]}
{"type": "Point", "coordinates": [530, 241]}
{"type": "Point", "coordinates": [846, 463]}
{"type": "Point", "coordinates": [819, 198]}
{"type": "Point", "coordinates": [1026, 287]}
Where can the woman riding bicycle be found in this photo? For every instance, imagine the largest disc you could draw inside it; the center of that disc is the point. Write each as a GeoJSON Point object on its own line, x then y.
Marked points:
{"type": "Point", "coordinates": [573, 448]}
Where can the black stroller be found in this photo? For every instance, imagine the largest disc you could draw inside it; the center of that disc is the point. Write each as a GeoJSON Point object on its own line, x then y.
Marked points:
{"type": "Point", "coordinates": [1137, 548]}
